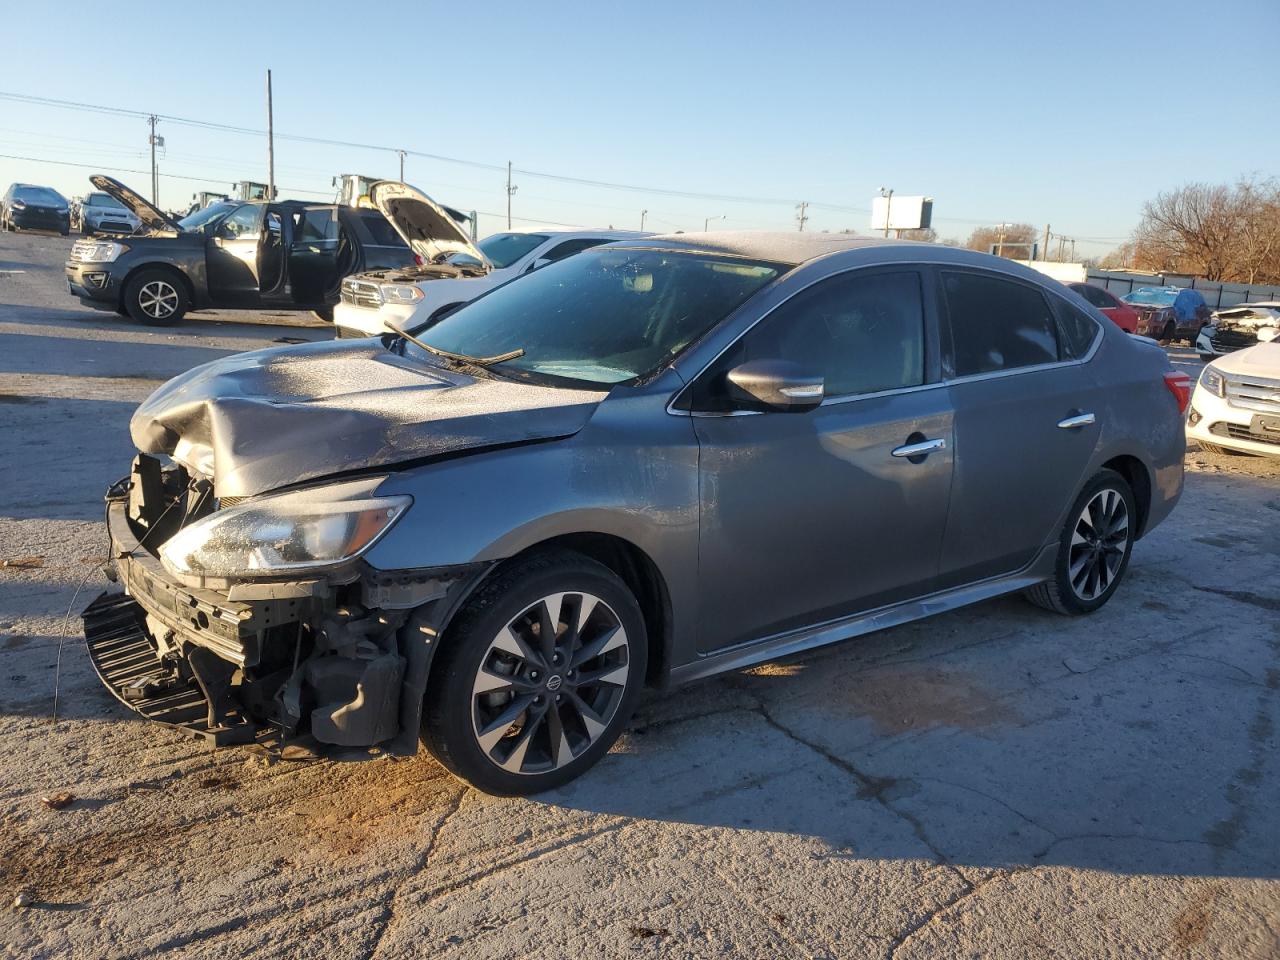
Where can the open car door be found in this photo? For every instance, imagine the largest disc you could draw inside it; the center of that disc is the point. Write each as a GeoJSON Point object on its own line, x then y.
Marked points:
{"type": "Point", "coordinates": [314, 254]}
{"type": "Point", "coordinates": [231, 255]}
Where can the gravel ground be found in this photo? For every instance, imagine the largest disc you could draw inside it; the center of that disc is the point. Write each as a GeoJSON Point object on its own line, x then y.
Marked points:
{"type": "Point", "coordinates": [995, 782]}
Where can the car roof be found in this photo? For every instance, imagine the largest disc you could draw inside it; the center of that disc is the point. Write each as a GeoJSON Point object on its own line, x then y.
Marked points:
{"type": "Point", "coordinates": [584, 232]}
{"type": "Point", "coordinates": [795, 249]}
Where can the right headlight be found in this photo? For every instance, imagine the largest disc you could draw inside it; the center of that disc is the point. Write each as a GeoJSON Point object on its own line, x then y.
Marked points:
{"type": "Point", "coordinates": [1212, 380]}
{"type": "Point", "coordinates": [286, 535]}
{"type": "Point", "coordinates": [102, 251]}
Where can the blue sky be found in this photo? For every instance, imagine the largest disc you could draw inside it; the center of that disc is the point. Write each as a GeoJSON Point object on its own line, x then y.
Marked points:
{"type": "Point", "coordinates": [1068, 114]}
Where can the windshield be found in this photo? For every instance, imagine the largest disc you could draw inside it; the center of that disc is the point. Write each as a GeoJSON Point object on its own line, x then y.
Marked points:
{"type": "Point", "coordinates": [198, 219]}
{"type": "Point", "coordinates": [502, 249]}
{"type": "Point", "coordinates": [603, 316]}
{"type": "Point", "coordinates": [104, 200]}
{"type": "Point", "coordinates": [1151, 295]}
{"type": "Point", "coordinates": [39, 195]}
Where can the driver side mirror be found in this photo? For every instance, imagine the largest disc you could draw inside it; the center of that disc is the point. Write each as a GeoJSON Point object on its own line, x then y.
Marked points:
{"type": "Point", "coordinates": [775, 385]}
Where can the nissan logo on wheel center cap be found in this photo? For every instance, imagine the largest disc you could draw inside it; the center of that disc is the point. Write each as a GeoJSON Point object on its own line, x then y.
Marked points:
{"type": "Point", "coordinates": [553, 682]}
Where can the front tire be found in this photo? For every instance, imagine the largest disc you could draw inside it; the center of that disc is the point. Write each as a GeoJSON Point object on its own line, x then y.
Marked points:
{"type": "Point", "coordinates": [538, 675]}
{"type": "Point", "coordinates": [156, 297]}
{"type": "Point", "coordinates": [1093, 548]}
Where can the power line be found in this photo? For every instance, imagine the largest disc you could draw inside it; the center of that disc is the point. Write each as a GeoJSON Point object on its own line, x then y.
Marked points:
{"type": "Point", "coordinates": [170, 176]}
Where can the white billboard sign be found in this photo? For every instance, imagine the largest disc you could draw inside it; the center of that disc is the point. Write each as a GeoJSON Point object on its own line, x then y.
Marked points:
{"type": "Point", "coordinates": [901, 213]}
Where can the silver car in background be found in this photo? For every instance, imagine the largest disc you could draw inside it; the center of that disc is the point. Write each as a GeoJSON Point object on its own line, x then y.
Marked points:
{"type": "Point", "coordinates": [647, 463]}
{"type": "Point", "coordinates": [102, 213]}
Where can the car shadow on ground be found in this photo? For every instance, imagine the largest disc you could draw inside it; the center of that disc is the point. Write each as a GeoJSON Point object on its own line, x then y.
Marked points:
{"type": "Point", "coordinates": [989, 737]}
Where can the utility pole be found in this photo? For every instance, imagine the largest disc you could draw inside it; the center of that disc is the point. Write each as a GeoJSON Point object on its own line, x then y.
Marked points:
{"type": "Point", "coordinates": [1073, 249]}
{"type": "Point", "coordinates": [643, 214]}
{"type": "Point", "coordinates": [510, 190]}
{"type": "Point", "coordinates": [887, 193]}
{"type": "Point", "coordinates": [999, 241]}
{"type": "Point", "coordinates": [801, 217]}
{"type": "Point", "coordinates": [1062, 242]}
{"type": "Point", "coordinates": [271, 145]}
{"type": "Point", "coordinates": [155, 177]}
{"type": "Point", "coordinates": [1044, 248]}
{"type": "Point", "coordinates": [401, 152]}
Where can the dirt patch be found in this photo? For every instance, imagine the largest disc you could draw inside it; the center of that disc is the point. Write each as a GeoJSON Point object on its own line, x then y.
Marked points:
{"type": "Point", "coordinates": [1191, 926]}
{"type": "Point", "coordinates": [908, 698]}
{"type": "Point", "coordinates": [280, 816]}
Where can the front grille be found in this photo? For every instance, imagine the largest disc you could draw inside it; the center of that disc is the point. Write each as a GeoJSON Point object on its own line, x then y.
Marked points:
{"type": "Point", "coordinates": [1225, 341]}
{"type": "Point", "coordinates": [361, 293]}
{"type": "Point", "coordinates": [117, 225]}
{"type": "Point", "coordinates": [1238, 431]}
{"type": "Point", "coordinates": [1253, 393]}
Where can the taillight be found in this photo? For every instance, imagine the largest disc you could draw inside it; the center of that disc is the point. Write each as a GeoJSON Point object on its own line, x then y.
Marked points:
{"type": "Point", "coordinates": [1179, 385]}
{"type": "Point", "coordinates": [417, 259]}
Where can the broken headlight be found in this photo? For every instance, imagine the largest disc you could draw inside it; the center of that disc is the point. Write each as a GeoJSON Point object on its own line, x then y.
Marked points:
{"type": "Point", "coordinates": [294, 533]}
{"type": "Point", "coordinates": [400, 293]}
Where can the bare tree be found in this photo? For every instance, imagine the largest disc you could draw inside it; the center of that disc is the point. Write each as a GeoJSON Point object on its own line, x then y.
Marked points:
{"type": "Point", "coordinates": [1218, 232]}
{"type": "Point", "coordinates": [1011, 240]}
{"type": "Point", "coordinates": [923, 234]}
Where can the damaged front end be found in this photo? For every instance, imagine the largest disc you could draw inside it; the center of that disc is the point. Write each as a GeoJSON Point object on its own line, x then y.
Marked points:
{"type": "Point", "coordinates": [258, 621]}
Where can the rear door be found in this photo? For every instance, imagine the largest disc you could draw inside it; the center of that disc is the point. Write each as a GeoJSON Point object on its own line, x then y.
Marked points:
{"type": "Point", "coordinates": [231, 255]}
{"type": "Point", "coordinates": [812, 516]}
{"type": "Point", "coordinates": [1024, 397]}
{"type": "Point", "coordinates": [313, 254]}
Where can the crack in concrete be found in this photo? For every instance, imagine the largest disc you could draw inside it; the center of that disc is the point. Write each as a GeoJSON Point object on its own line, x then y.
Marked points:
{"type": "Point", "coordinates": [872, 788]}
{"type": "Point", "coordinates": [392, 896]}
{"type": "Point", "coordinates": [960, 896]}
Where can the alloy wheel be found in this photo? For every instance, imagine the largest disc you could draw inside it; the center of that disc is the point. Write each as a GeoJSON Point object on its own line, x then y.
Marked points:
{"type": "Point", "coordinates": [549, 683]}
{"type": "Point", "coordinates": [1099, 543]}
{"type": "Point", "coordinates": [158, 299]}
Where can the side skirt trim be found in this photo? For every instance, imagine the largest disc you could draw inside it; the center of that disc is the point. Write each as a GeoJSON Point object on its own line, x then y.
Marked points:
{"type": "Point", "coordinates": [835, 631]}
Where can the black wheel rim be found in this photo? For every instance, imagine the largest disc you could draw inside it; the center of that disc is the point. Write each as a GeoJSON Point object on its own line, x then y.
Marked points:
{"type": "Point", "coordinates": [1099, 542]}
{"type": "Point", "coordinates": [549, 683]}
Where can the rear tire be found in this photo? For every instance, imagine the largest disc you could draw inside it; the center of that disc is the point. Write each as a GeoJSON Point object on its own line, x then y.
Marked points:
{"type": "Point", "coordinates": [564, 704]}
{"type": "Point", "coordinates": [1093, 548]}
{"type": "Point", "coordinates": [156, 296]}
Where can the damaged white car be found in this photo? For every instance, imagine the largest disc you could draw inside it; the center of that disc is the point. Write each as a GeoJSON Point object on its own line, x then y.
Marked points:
{"type": "Point", "coordinates": [1235, 328]}
{"type": "Point", "coordinates": [450, 269]}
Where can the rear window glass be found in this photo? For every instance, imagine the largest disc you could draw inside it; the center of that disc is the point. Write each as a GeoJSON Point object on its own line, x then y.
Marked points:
{"type": "Point", "coordinates": [382, 232]}
{"type": "Point", "coordinates": [1076, 331]}
{"type": "Point", "coordinates": [997, 324]}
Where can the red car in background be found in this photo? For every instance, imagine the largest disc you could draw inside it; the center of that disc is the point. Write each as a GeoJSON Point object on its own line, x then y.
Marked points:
{"type": "Point", "coordinates": [1124, 316]}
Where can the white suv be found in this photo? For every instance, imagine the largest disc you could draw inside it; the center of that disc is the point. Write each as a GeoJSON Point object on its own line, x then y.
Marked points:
{"type": "Point", "coordinates": [1236, 404]}
{"type": "Point", "coordinates": [451, 270]}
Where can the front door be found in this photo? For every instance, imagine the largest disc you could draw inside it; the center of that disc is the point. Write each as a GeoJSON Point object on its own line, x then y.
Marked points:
{"type": "Point", "coordinates": [231, 256]}
{"type": "Point", "coordinates": [807, 517]}
{"type": "Point", "coordinates": [1025, 423]}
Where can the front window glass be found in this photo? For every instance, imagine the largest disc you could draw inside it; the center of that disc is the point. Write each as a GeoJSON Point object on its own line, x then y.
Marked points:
{"type": "Point", "coordinates": [503, 249]}
{"type": "Point", "coordinates": [42, 195]}
{"type": "Point", "coordinates": [604, 316]}
{"type": "Point", "coordinates": [241, 225]}
{"type": "Point", "coordinates": [198, 219]}
{"type": "Point", "coordinates": [104, 200]}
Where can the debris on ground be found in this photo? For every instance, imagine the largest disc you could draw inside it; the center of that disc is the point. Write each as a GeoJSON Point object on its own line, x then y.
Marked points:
{"type": "Point", "coordinates": [642, 933]}
{"type": "Point", "coordinates": [59, 801]}
{"type": "Point", "coordinates": [23, 899]}
{"type": "Point", "coordinates": [291, 340]}
{"type": "Point", "coordinates": [23, 563]}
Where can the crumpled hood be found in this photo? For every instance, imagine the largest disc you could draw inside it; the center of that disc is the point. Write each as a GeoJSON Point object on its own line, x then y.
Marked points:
{"type": "Point", "coordinates": [262, 420]}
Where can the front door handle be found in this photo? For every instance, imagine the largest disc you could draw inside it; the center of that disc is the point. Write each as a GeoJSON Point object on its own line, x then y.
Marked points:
{"type": "Point", "coordinates": [921, 449]}
{"type": "Point", "coordinates": [1078, 421]}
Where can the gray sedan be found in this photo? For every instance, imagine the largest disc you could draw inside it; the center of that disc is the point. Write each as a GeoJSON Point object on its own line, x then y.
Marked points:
{"type": "Point", "coordinates": [648, 463]}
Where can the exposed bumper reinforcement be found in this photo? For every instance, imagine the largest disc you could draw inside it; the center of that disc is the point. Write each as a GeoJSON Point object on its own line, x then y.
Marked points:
{"type": "Point", "coordinates": [125, 658]}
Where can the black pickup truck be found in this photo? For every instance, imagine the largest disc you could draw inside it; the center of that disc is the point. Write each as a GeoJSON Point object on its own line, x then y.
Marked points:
{"type": "Point", "coordinates": [279, 255]}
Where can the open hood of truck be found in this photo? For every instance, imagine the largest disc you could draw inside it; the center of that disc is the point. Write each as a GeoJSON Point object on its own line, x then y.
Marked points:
{"type": "Point", "coordinates": [255, 422]}
{"type": "Point", "coordinates": [425, 225]}
{"type": "Point", "coordinates": [144, 211]}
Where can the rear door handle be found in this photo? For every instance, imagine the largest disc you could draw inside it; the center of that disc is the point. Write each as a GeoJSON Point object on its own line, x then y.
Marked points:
{"type": "Point", "coordinates": [1078, 421]}
{"type": "Point", "coordinates": [921, 449]}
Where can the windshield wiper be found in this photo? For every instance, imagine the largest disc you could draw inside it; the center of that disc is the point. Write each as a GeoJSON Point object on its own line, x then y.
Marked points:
{"type": "Point", "coordinates": [450, 355]}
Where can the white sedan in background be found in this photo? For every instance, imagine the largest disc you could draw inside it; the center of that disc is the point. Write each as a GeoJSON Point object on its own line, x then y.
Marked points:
{"type": "Point", "coordinates": [451, 270]}
{"type": "Point", "coordinates": [1236, 404]}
